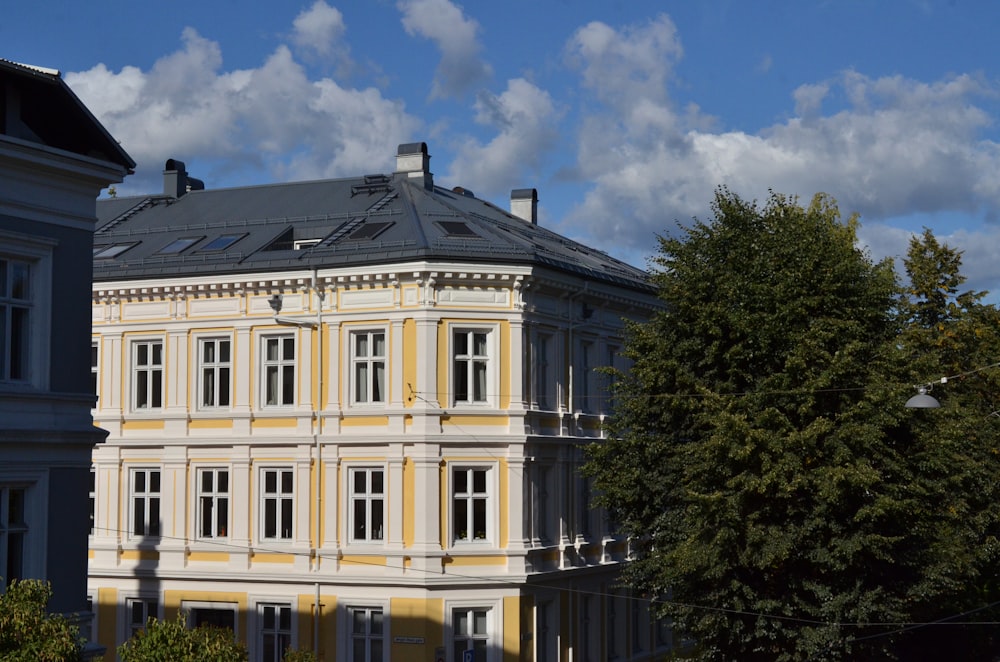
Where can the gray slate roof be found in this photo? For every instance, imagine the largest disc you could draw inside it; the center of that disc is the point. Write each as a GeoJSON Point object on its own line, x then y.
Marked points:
{"type": "Point", "coordinates": [362, 221]}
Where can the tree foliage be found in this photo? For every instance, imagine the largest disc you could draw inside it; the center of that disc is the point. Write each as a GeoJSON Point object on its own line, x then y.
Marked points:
{"type": "Point", "coordinates": [173, 641]}
{"type": "Point", "coordinates": [28, 633]}
{"type": "Point", "coordinates": [775, 489]}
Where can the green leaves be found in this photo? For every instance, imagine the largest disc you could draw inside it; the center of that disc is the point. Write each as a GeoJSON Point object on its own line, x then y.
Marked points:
{"type": "Point", "coordinates": [28, 633]}
{"type": "Point", "coordinates": [761, 453]}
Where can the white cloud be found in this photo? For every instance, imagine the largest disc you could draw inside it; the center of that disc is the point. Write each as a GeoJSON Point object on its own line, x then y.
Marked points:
{"type": "Point", "coordinates": [886, 147]}
{"type": "Point", "coordinates": [524, 117]}
{"type": "Point", "coordinates": [319, 28]}
{"type": "Point", "coordinates": [221, 122]}
{"type": "Point", "coordinates": [455, 35]}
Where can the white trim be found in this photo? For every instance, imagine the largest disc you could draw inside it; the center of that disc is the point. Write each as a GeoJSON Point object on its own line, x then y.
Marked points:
{"type": "Point", "coordinates": [349, 470]}
{"type": "Point", "coordinates": [491, 358]}
{"type": "Point", "coordinates": [344, 625]}
{"type": "Point", "coordinates": [37, 251]}
{"type": "Point", "coordinates": [279, 363]}
{"type": "Point", "coordinates": [280, 496]}
{"type": "Point", "coordinates": [492, 497]}
{"type": "Point", "coordinates": [494, 626]}
{"type": "Point", "coordinates": [199, 340]}
{"type": "Point", "coordinates": [370, 360]}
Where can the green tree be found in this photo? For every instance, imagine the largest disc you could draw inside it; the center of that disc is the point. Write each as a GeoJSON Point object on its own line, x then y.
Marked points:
{"type": "Point", "coordinates": [779, 497]}
{"type": "Point", "coordinates": [173, 641]}
{"type": "Point", "coordinates": [28, 633]}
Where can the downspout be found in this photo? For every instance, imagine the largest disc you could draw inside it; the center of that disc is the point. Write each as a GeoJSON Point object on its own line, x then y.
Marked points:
{"type": "Point", "coordinates": [317, 430]}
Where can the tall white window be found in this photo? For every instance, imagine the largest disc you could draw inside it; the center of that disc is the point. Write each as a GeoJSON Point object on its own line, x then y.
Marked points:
{"type": "Point", "coordinates": [367, 504]}
{"type": "Point", "coordinates": [367, 632]}
{"type": "Point", "coordinates": [586, 395]}
{"type": "Point", "coordinates": [147, 374]}
{"type": "Point", "coordinates": [213, 503]}
{"type": "Point", "coordinates": [543, 371]}
{"type": "Point", "coordinates": [92, 497]}
{"type": "Point", "coordinates": [470, 504]}
{"type": "Point", "coordinates": [368, 361]}
{"type": "Point", "coordinates": [470, 632]}
{"type": "Point", "coordinates": [145, 502]}
{"type": "Point", "coordinates": [278, 371]}
{"type": "Point", "coordinates": [277, 503]}
{"type": "Point", "coordinates": [95, 367]}
{"type": "Point", "coordinates": [15, 319]}
{"type": "Point", "coordinates": [275, 631]}
{"type": "Point", "coordinates": [140, 610]}
{"type": "Point", "coordinates": [13, 531]}
{"type": "Point", "coordinates": [216, 372]}
{"type": "Point", "coordinates": [471, 369]}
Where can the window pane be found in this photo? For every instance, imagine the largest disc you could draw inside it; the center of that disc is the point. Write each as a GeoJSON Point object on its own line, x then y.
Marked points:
{"type": "Point", "coordinates": [142, 390]}
{"type": "Point", "coordinates": [154, 517]}
{"type": "Point", "coordinates": [461, 519]}
{"type": "Point", "coordinates": [479, 339]}
{"type": "Point", "coordinates": [359, 519]}
{"type": "Point", "coordinates": [376, 621]}
{"type": "Point", "coordinates": [286, 518]}
{"type": "Point", "coordinates": [286, 482]}
{"type": "Point", "coordinates": [361, 345]}
{"type": "Point", "coordinates": [379, 344]}
{"type": "Point", "coordinates": [285, 619]}
{"type": "Point", "coordinates": [271, 386]}
{"type": "Point", "coordinates": [358, 653]}
{"type": "Point", "coordinates": [156, 398]}
{"type": "Point", "coordinates": [288, 385]}
{"type": "Point", "coordinates": [376, 650]}
{"type": "Point", "coordinates": [19, 335]}
{"type": "Point", "coordinates": [479, 519]}
{"type": "Point", "coordinates": [479, 480]}
{"type": "Point", "coordinates": [142, 354]}
{"type": "Point", "coordinates": [157, 354]}
{"type": "Point", "coordinates": [222, 517]}
{"type": "Point", "coordinates": [223, 481]}
{"type": "Point", "coordinates": [154, 481]}
{"type": "Point", "coordinates": [289, 352]}
{"type": "Point", "coordinates": [461, 481]}
{"type": "Point", "coordinates": [139, 481]}
{"type": "Point", "coordinates": [360, 482]}
{"type": "Point", "coordinates": [377, 514]}
{"type": "Point", "coordinates": [462, 622]}
{"type": "Point", "coordinates": [208, 352]}
{"type": "Point", "coordinates": [223, 387]}
{"type": "Point", "coordinates": [479, 381]}
{"type": "Point", "coordinates": [270, 481]}
{"type": "Point", "coordinates": [378, 387]}
{"type": "Point", "coordinates": [270, 518]}
{"type": "Point", "coordinates": [224, 351]}
{"type": "Point", "coordinates": [271, 349]}
{"type": "Point", "coordinates": [479, 622]}
{"type": "Point", "coordinates": [377, 478]}
{"type": "Point", "coordinates": [206, 517]}
{"type": "Point", "coordinates": [361, 382]}
{"type": "Point", "coordinates": [358, 620]}
{"type": "Point", "coordinates": [208, 389]}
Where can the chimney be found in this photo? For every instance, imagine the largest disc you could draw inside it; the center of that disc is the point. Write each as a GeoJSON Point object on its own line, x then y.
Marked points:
{"type": "Point", "coordinates": [176, 181]}
{"type": "Point", "coordinates": [524, 204]}
{"type": "Point", "coordinates": [413, 161]}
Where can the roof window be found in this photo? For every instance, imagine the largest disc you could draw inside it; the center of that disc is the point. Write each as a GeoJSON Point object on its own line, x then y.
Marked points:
{"type": "Point", "coordinates": [114, 250]}
{"type": "Point", "coordinates": [370, 230]}
{"type": "Point", "coordinates": [457, 229]}
{"type": "Point", "coordinates": [222, 243]}
{"type": "Point", "coordinates": [179, 245]}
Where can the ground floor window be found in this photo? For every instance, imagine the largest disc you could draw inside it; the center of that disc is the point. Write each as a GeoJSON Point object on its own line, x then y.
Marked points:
{"type": "Point", "coordinates": [13, 532]}
{"type": "Point", "coordinates": [275, 632]}
{"type": "Point", "coordinates": [366, 634]}
{"type": "Point", "coordinates": [211, 614]}
{"type": "Point", "coordinates": [470, 633]}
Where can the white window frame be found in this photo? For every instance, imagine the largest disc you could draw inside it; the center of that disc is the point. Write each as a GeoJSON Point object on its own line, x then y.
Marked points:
{"type": "Point", "coordinates": [128, 626]}
{"type": "Point", "coordinates": [586, 393]}
{"type": "Point", "coordinates": [95, 368]}
{"type": "Point", "coordinates": [260, 630]}
{"type": "Point", "coordinates": [279, 497]}
{"type": "Point", "coordinates": [188, 607]}
{"type": "Point", "coordinates": [489, 359]}
{"type": "Point", "coordinates": [37, 251]}
{"type": "Point", "coordinates": [494, 627]}
{"type": "Point", "coordinates": [347, 627]}
{"type": "Point", "coordinates": [545, 371]}
{"type": "Point", "coordinates": [148, 496]}
{"type": "Point", "coordinates": [369, 362]}
{"type": "Point", "coordinates": [280, 365]}
{"type": "Point", "coordinates": [221, 373]}
{"type": "Point", "coordinates": [153, 369]}
{"type": "Point", "coordinates": [469, 496]}
{"type": "Point", "coordinates": [368, 500]}
{"type": "Point", "coordinates": [215, 497]}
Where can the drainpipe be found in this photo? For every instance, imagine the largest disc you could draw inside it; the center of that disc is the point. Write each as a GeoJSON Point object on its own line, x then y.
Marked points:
{"type": "Point", "coordinates": [317, 430]}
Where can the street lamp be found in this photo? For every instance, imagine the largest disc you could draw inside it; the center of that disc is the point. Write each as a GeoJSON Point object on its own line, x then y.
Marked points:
{"type": "Point", "coordinates": [922, 400]}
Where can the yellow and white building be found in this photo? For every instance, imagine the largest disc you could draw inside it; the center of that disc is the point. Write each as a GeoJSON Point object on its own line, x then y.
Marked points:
{"type": "Point", "coordinates": [349, 416]}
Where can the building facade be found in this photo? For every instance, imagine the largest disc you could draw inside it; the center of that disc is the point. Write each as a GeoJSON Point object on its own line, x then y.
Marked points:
{"type": "Point", "coordinates": [54, 160]}
{"type": "Point", "coordinates": [349, 416]}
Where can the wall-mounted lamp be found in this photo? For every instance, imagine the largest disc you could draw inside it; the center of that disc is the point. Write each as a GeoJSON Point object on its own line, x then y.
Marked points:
{"type": "Point", "coordinates": [275, 302]}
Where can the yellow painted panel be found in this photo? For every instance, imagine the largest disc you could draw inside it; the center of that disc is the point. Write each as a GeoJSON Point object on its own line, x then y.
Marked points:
{"type": "Point", "coordinates": [208, 556]}
{"type": "Point", "coordinates": [416, 617]}
{"type": "Point", "coordinates": [327, 625]}
{"type": "Point", "coordinates": [143, 425]}
{"type": "Point", "coordinates": [409, 361]}
{"type": "Point", "coordinates": [107, 620]}
{"type": "Point", "coordinates": [273, 423]}
{"type": "Point", "coordinates": [409, 499]}
{"type": "Point", "coordinates": [511, 629]}
{"type": "Point", "coordinates": [443, 362]}
{"type": "Point", "coordinates": [258, 557]}
{"type": "Point", "coordinates": [453, 419]}
{"type": "Point", "coordinates": [364, 421]}
{"type": "Point", "coordinates": [464, 561]}
{"type": "Point", "coordinates": [358, 559]}
{"type": "Point", "coordinates": [140, 555]}
{"type": "Point", "coordinates": [211, 423]}
{"type": "Point", "coordinates": [90, 553]}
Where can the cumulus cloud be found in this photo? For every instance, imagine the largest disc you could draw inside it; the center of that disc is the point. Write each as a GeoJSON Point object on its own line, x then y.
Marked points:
{"type": "Point", "coordinates": [455, 36]}
{"type": "Point", "coordinates": [525, 120]}
{"type": "Point", "coordinates": [186, 106]}
{"type": "Point", "coordinates": [886, 146]}
{"type": "Point", "coordinates": [320, 30]}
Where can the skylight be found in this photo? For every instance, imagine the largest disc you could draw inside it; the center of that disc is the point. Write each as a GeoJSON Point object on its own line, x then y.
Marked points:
{"type": "Point", "coordinates": [370, 230]}
{"type": "Point", "coordinates": [114, 250]}
{"type": "Point", "coordinates": [457, 229]}
{"type": "Point", "coordinates": [178, 245]}
{"type": "Point", "coordinates": [222, 243]}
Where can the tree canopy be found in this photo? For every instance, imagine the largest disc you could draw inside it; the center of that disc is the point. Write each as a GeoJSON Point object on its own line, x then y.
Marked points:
{"type": "Point", "coordinates": [782, 503]}
{"type": "Point", "coordinates": [28, 633]}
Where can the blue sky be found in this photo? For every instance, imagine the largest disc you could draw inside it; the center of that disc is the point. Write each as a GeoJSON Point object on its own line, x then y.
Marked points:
{"type": "Point", "coordinates": [626, 115]}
